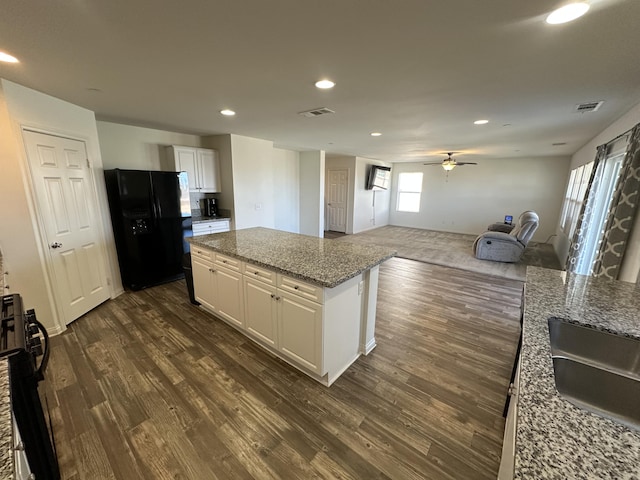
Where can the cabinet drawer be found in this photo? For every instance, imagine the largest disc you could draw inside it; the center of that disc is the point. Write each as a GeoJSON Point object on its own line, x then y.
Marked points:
{"type": "Point", "coordinates": [303, 289]}
{"type": "Point", "coordinates": [205, 228]}
{"type": "Point", "coordinates": [202, 253]}
{"type": "Point", "coordinates": [228, 262]}
{"type": "Point", "coordinates": [265, 276]}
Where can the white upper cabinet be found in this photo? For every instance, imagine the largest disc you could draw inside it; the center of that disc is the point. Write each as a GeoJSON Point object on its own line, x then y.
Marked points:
{"type": "Point", "coordinates": [202, 166]}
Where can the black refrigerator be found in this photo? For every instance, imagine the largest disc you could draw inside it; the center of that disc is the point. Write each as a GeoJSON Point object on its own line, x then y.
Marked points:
{"type": "Point", "coordinates": [151, 217]}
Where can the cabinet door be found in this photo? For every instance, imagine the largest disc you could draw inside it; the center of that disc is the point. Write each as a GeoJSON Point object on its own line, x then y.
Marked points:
{"type": "Point", "coordinates": [230, 301]}
{"type": "Point", "coordinates": [260, 311]}
{"type": "Point", "coordinates": [186, 161]}
{"type": "Point", "coordinates": [204, 283]}
{"type": "Point", "coordinates": [209, 171]}
{"type": "Point", "coordinates": [300, 331]}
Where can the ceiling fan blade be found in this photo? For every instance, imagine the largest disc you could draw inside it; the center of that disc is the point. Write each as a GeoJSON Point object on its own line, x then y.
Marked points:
{"type": "Point", "coordinates": [433, 163]}
{"type": "Point", "coordinates": [466, 163]}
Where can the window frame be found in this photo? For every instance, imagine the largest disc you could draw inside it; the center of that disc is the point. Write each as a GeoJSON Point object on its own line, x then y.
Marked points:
{"type": "Point", "coordinates": [406, 191]}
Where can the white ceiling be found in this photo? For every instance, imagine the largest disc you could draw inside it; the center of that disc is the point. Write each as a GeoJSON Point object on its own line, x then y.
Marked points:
{"type": "Point", "coordinates": [418, 71]}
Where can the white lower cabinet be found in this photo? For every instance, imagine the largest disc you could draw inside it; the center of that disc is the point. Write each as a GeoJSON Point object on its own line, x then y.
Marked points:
{"type": "Point", "coordinates": [284, 321]}
{"type": "Point", "coordinates": [219, 288]}
{"type": "Point", "coordinates": [230, 295]}
{"type": "Point", "coordinates": [204, 228]}
{"type": "Point", "coordinates": [261, 311]}
{"type": "Point", "coordinates": [313, 328]}
{"type": "Point", "coordinates": [204, 287]}
{"type": "Point", "coordinates": [300, 331]}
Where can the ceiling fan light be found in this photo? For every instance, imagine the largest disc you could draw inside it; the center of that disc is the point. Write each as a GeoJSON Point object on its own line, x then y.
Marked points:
{"type": "Point", "coordinates": [567, 13]}
{"type": "Point", "coordinates": [448, 166]}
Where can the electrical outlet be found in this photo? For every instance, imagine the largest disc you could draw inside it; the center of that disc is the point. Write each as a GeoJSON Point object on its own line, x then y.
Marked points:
{"type": "Point", "coordinates": [258, 206]}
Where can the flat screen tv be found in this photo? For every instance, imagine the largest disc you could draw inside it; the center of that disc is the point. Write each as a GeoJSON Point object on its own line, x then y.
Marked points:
{"type": "Point", "coordinates": [379, 178]}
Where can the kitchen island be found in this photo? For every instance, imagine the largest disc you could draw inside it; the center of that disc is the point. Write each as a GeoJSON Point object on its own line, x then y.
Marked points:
{"type": "Point", "coordinates": [308, 300]}
{"type": "Point", "coordinates": [555, 439]}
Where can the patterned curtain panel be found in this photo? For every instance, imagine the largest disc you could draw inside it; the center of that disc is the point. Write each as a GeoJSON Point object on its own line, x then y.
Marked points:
{"type": "Point", "coordinates": [586, 211]}
{"type": "Point", "coordinates": [622, 213]}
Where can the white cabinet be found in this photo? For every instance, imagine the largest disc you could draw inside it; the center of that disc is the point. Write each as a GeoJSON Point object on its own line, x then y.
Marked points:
{"type": "Point", "coordinates": [217, 282]}
{"type": "Point", "coordinates": [204, 287]}
{"type": "Point", "coordinates": [317, 330]}
{"type": "Point", "coordinates": [300, 330]}
{"type": "Point", "coordinates": [282, 318]}
{"type": "Point", "coordinates": [202, 166]}
{"type": "Point", "coordinates": [204, 228]}
{"type": "Point", "coordinates": [261, 311]}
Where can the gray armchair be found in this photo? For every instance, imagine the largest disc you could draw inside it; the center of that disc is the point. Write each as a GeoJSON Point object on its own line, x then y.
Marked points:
{"type": "Point", "coordinates": [507, 247]}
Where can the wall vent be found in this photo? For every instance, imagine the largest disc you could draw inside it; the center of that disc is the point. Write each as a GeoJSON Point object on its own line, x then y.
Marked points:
{"type": "Point", "coordinates": [316, 112]}
{"type": "Point", "coordinates": [588, 107]}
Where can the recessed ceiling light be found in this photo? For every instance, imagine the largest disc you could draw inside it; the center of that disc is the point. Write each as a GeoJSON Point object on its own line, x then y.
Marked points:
{"type": "Point", "coordinates": [480, 122]}
{"type": "Point", "coordinates": [227, 112]}
{"type": "Point", "coordinates": [567, 13]}
{"type": "Point", "coordinates": [324, 84]}
{"type": "Point", "coordinates": [5, 57]}
{"type": "Point", "coordinates": [375, 134]}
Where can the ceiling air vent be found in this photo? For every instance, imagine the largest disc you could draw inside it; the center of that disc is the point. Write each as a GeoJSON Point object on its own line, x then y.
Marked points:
{"type": "Point", "coordinates": [316, 112]}
{"type": "Point", "coordinates": [588, 107]}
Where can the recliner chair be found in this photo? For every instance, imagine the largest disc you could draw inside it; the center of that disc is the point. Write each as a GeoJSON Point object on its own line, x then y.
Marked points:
{"type": "Point", "coordinates": [507, 247]}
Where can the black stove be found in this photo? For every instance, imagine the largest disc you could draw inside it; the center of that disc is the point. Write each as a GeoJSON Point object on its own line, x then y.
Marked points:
{"type": "Point", "coordinates": [25, 343]}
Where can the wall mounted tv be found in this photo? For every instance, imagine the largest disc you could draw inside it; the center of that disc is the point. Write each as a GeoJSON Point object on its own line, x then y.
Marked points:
{"type": "Point", "coordinates": [379, 178]}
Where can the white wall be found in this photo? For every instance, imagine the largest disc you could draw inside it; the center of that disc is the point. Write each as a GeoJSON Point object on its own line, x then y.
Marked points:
{"type": "Point", "coordinates": [472, 197]}
{"type": "Point", "coordinates": [286, 185]}
{"type": "Point", "coordinates": [312, 170]}
{"type": "Point", "coordinates": [631, 264]}
{"type": "Point", "coordinates": [370, 207]}
{"type": "Point", "coordinates": [21, 243]}
{"type": "Point", "coordinates": [222, 143]}
{"type": "Point", "coordinates": [253, 176]}
{"type": "Point", "coordinates": [138, 148]}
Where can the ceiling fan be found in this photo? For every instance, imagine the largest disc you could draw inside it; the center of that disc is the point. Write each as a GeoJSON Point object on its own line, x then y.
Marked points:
{"type": "Point", "coordinates": [450, 163]}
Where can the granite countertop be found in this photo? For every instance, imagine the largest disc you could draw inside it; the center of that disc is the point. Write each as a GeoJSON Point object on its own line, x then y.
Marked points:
{"type": "Point", "coordinates": [320, 261]}
{"type": "Point", "coordinates": [201, 219]}
{"type": "Point", "coordinates": [555, 439]}
{"type": "Point", "coordinates": [6, 423]}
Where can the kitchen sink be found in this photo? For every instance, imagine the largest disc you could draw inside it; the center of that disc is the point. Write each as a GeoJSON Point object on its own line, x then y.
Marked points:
{"type": "Point", "coordinates": [596, 370]}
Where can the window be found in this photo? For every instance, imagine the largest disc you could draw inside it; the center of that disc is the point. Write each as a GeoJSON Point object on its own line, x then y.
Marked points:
{"type": "Point", "coordinates": [409, 191]}
{"type": "Point", "coordinates": [574, 197]}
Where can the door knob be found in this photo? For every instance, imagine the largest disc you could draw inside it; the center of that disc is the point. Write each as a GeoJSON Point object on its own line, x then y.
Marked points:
{"type": "Point", "coordinates": [56, 245]}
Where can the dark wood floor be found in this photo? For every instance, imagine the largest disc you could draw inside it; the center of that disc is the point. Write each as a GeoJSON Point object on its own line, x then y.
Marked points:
{"type": "Point", "coordinates": [149, 387]}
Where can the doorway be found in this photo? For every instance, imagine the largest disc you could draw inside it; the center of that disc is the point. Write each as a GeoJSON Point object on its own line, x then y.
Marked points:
{"type": "Point", "coordinates": [67, 213]}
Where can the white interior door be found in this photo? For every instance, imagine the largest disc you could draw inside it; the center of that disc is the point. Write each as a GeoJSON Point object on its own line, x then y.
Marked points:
{"type": "Point", "coordinates": [66, 203]}
{"type": "Point", "coordinates": [337, 200]}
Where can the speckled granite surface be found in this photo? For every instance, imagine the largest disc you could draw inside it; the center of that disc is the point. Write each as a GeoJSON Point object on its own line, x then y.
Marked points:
{"type": "Point", "coordinates": [6, 425]}
{"type": "Point", "coordinates": [320, 261]}
{"type": "Point", "coordinates": [555, 439]}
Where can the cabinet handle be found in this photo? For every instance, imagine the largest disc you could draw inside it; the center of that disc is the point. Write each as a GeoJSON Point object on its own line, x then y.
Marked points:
{"type": "Point", "coordinates": [273, 296]}
{"type": "Point", "coordinates": [256, 273]}
{"type": "Point", "coordinates": [212, 270]}
{"type": "Point", "coordinates": [296, 287]}
{"type": "Point", "coordinates": [277, 298]}
{"type": "Point", "coordinates": [224, 261]}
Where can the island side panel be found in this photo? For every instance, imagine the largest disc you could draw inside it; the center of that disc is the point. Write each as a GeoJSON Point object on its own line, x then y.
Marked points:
{"type": "Point", "coordinates": [368, 316]}
{"type": "Point", "coordinates": [342, 313]}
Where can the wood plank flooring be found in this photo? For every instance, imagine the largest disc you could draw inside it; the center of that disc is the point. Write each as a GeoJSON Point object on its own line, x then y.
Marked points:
{"type": "Point", "coordinates": [148, 386]}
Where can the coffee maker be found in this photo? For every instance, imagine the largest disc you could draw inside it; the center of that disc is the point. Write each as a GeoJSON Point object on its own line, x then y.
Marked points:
{"type": "Point", "coordinates": [209, 207]}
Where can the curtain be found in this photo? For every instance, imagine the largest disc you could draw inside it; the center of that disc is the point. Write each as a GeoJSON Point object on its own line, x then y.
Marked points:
{"type": "Point", "coordinates": [622, 212]}
{"type": "Point", "coordinates": [586, 211]}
